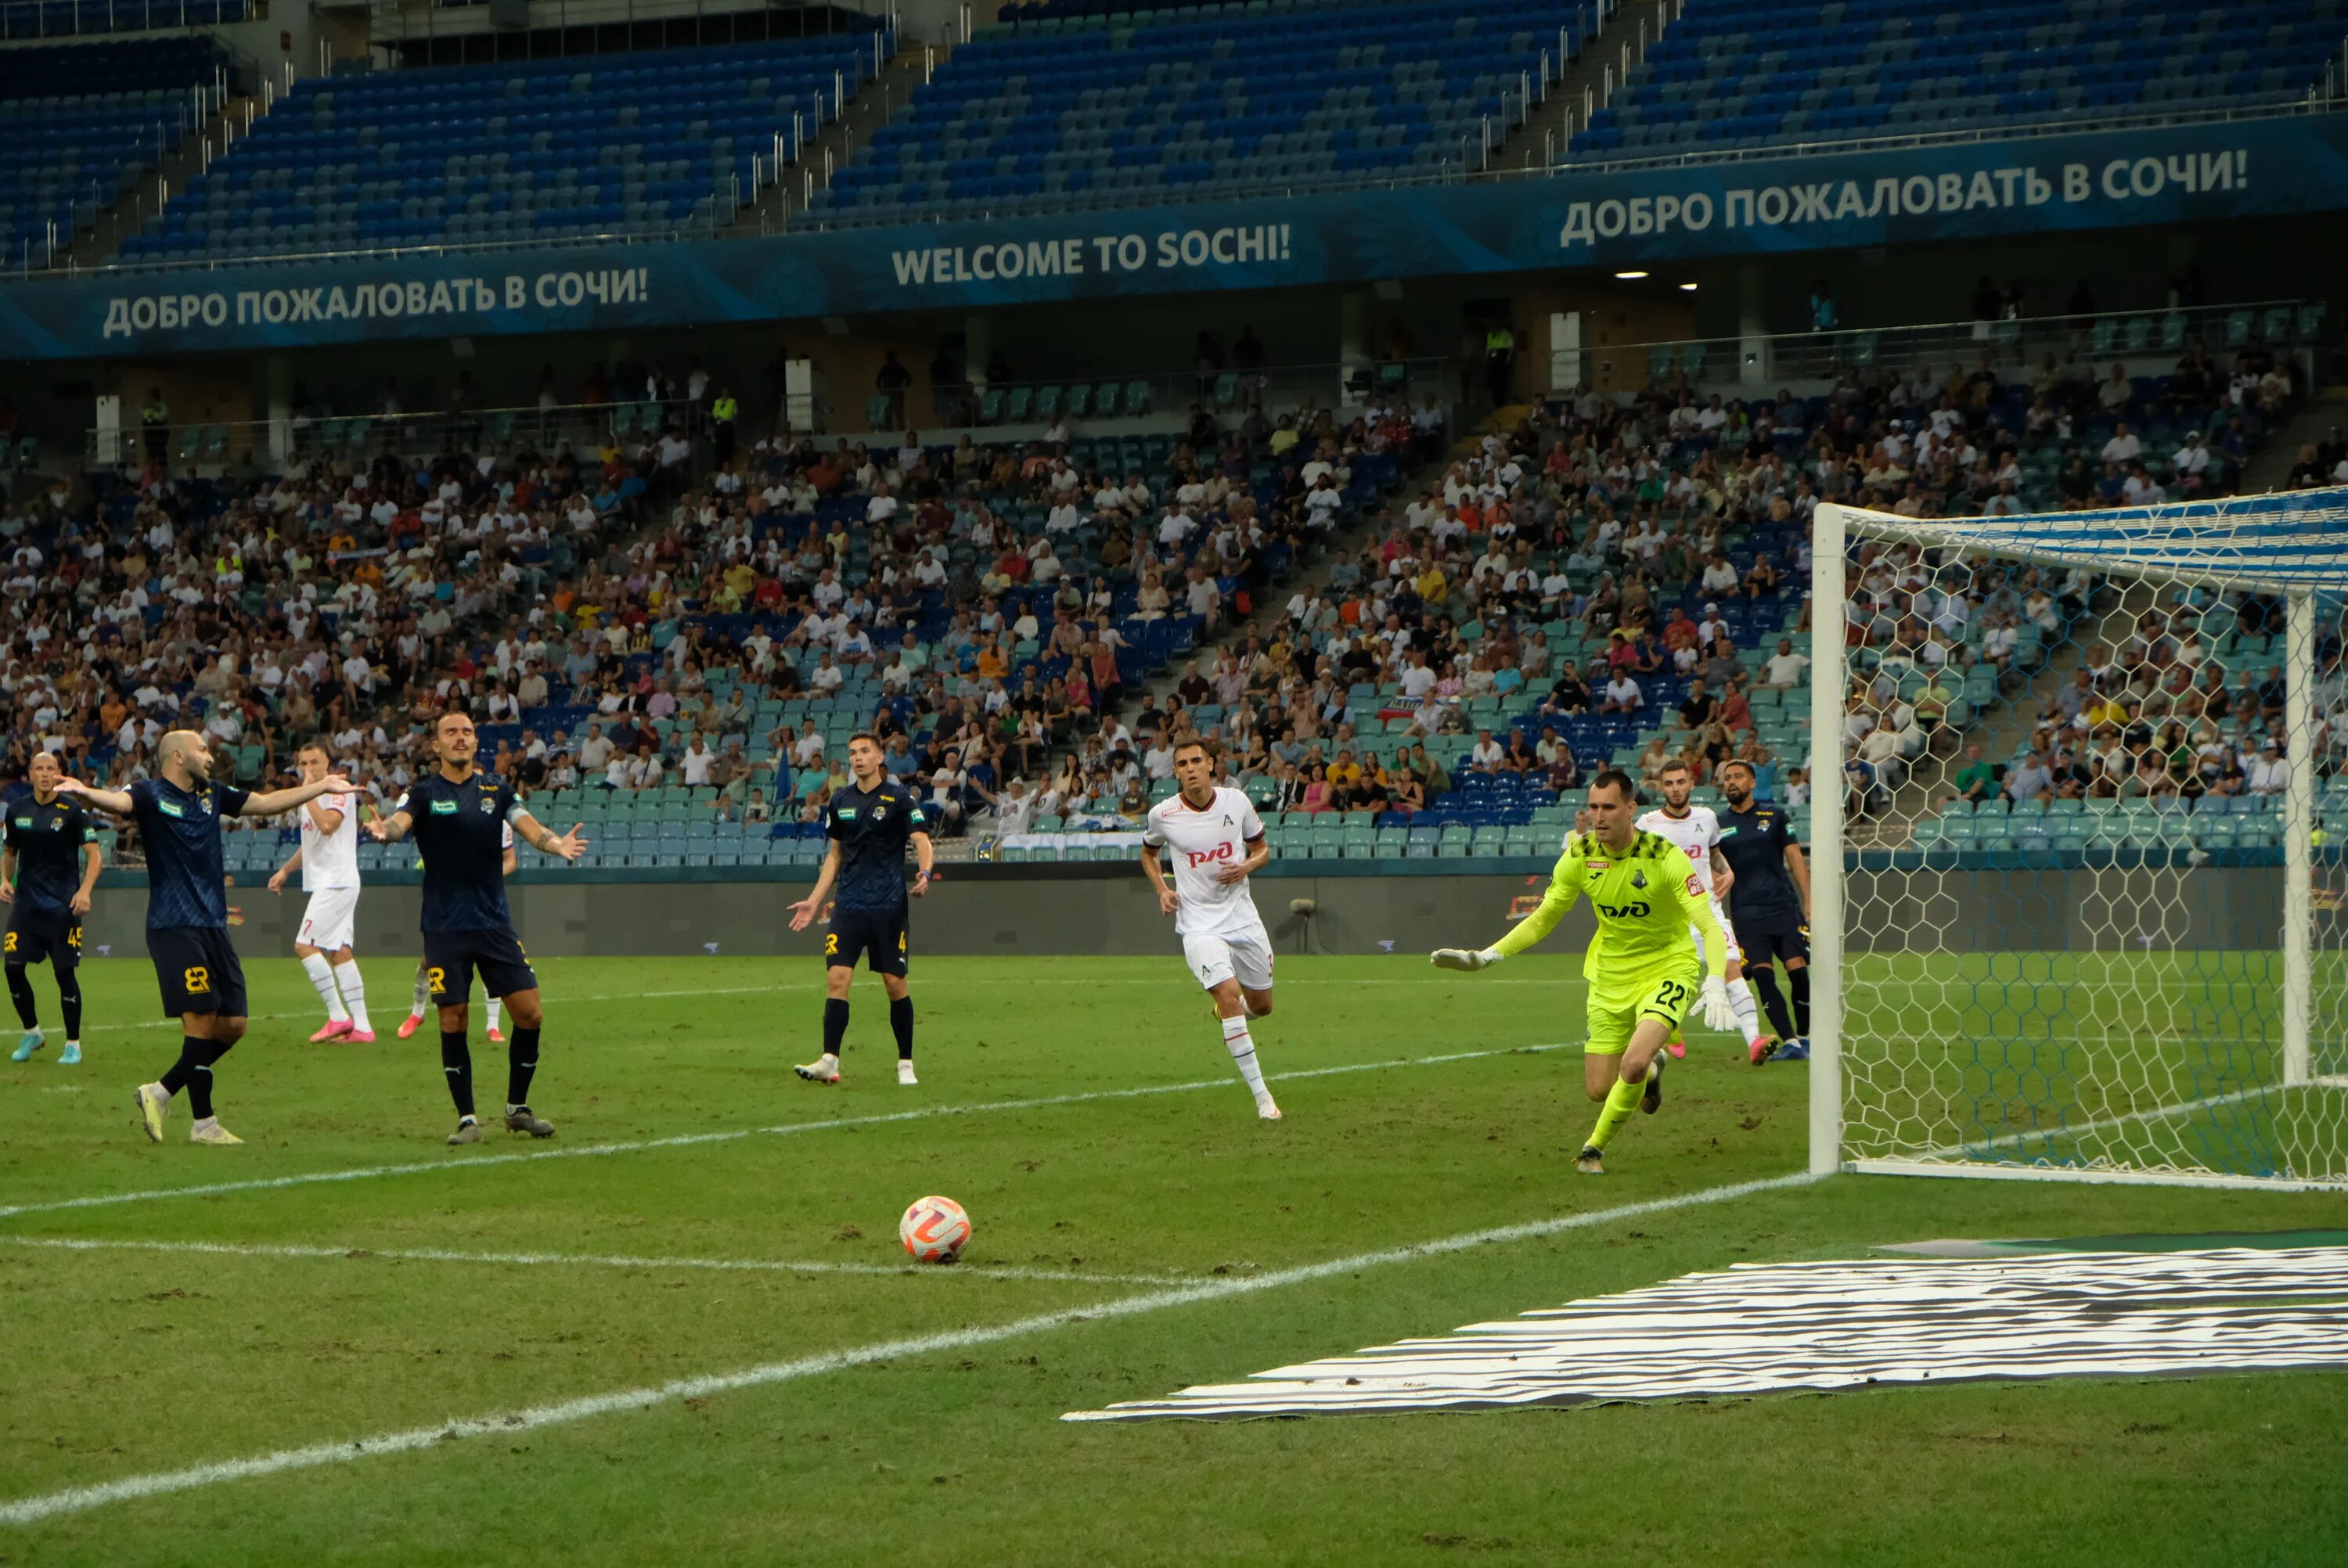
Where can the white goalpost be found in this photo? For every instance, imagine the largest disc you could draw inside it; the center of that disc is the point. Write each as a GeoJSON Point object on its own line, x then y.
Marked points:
{"type": "Point", "coordinates": [2075, 908]}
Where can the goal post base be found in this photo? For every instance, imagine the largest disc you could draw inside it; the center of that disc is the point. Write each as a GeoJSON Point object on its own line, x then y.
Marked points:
{"type": "Point", "coordinates": [2096, 1173]}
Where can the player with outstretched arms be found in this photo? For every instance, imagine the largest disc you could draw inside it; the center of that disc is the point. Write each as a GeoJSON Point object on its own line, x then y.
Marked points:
{"type": "Point", "coordinates": [178, 813]}
{"type": "Point", "coordinates": [1770, 900]}
{"type": "Point", "coordinates": [1644, 968]}
{"type": "Point", "coordinates": [48, 873]}
{"type": "Point", "coordinates": [1696, 830]}
{"type": "Point", "coordinates": [328, 859]}
{"type": "Point", "coordinates": [1215, 841]}
{"type": "Point", "coordinates": [459, 815]}
{"type": "Point", "coordinates": [871, 824]}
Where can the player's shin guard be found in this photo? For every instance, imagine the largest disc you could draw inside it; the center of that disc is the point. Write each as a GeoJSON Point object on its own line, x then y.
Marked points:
{"type": "Point", "coordinates": [193, 1055]}
{"type": "Point", "coordinates": [20, 992]}
{"type": "Point", "coordinates": [1242, 1045]}
{"type": "Point", "coordinates": [1765, 981]}
{"type": "Point", "coordinates": [1800, 980]}
{"type": "Point", "coordinates": [348, 980]}
{"type": "Point", "coordinates": [423, 994]}
{"type": "Point", "coordinates": [1748, 1016]}
{"type": "Point", "coordinates": [521, 1062]}
{"type": "Point", "coordinates": [1620, 1101]}
{"type": "Point", "coordinates": [901, 1020]}
{"type": "Point", "coordinates": [322, 981]}
{"type": "Point", "coordinates": [200, 1080]}
{"type": "Point", "coordinates": [457, 1061]}
{"type": "Point", "coordinates": [69, 997]}
{"type": "Point", "coordinates": [835, 1024]}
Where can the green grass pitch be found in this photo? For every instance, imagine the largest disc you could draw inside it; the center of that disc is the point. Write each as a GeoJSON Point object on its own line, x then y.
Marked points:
{"type": "Point", "coordinates": [334, 1312]}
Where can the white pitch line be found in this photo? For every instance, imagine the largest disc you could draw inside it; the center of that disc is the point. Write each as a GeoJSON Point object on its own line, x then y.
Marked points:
{"type": "Point", "coordinates": [347, 1450]}
{"type": "Point", "coordinates": [577, 1260]}
{"type": "Point", "coordinates": [690, 1139]}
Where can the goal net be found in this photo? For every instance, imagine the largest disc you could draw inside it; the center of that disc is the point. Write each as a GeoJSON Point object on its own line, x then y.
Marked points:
{"type": "Point", "coordinates": [2076, 907]}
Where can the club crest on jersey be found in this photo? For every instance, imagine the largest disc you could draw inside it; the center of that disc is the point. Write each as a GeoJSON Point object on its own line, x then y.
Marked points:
{"type": "Point", "coordinates": [488, 804]}
{"type": "Point", "coordinates": [1639, 880]}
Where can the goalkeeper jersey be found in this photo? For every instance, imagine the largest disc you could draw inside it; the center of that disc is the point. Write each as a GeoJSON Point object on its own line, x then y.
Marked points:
{"type": "Point", "coordinates": [1647, 896]}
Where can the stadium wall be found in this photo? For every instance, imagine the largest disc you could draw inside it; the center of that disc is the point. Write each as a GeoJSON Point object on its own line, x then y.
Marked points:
{"type": "Point", "coordinates": [1614, 216]}
{"type": "Point", "coordinates": [1100, 910]}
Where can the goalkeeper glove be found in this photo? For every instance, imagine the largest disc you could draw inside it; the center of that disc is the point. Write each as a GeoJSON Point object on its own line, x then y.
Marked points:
{"type": "Point", "coordinates": [1718, 1012]}
{"type": "Point", "coordinates": [1461, 958]}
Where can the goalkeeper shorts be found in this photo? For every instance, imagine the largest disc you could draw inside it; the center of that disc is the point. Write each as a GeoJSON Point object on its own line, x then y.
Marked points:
{"type": "Point", "coordinates": [1617, 1006]}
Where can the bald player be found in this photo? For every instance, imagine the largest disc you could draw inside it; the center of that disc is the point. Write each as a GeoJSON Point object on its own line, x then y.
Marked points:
{"type": "Point", "coordinates": [178, 815]}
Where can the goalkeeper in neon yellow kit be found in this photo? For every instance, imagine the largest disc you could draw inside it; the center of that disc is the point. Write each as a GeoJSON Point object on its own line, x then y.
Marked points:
{"type": "Point", "coordinates": [1644, 968]}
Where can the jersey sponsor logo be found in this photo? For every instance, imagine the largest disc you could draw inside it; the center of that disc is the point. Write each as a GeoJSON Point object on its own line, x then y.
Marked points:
{"type": "Point", "coordinates": [1599, 865]}
{"type": "Point", "coordinates": [1638, 911]}
{"type": "Point", "coordinates": [24, 822]}
{"type": "Point", "coordinates": [170, 808]}
{"type": "Point", "coordinates": [444, 809]}
{"type": "Point", "coordinates": [1729, 832]}
{"type": "Point", "coordinates": [1207, 856]}
{"type": "Point", "coordinates": [1696, 888]}
{"type": "Point", "coordinates": [845, 814]}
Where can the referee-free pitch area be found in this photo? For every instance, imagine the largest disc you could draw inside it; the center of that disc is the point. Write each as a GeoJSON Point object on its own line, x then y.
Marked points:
{"type": "Point", "coordinates": [685, 1332]}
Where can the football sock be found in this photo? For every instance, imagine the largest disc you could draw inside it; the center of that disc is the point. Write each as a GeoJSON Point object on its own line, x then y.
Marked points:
{"type": "Point", "coordinates": [1800, 980]}
{"type": "Point", "coordinates": [69, 999]}
{"type": "Point", "coordinates": [200, 1080]}
{"type": "Point", "coordinates": [423, 995]}
{"type": "Point", "coordinates": [1620, 1101]}
{"type": "Point", "coordinates": [322, 981]}
{"type": "Point", "coordinates": [522, 1060]}
{"type": "Point", "coordinates": [457, 1061]}
{"type": "Point", "coordinates": [1242, 1045]}
{"type": "Point", "coordinates": [900, 1019]}
{"type": "Point", "coordinates": [835, 1024]}
{"type": "Point", "coordinates": [192, 1056]}
{"type": "Point", "coordinates": [1748, 1016]}
{"type": "Point", "coordinates": [353, 986]}
{"type": "Point", "coordinates": [20, 992]}
{"type": "Point", "coordinates": [1764, 980]}
{"type": "Point", "coordinates": [497, 1010]}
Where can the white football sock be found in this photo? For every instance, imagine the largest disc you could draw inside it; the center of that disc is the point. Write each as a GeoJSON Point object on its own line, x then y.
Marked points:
{"type": "Point", "coordinates": [496, 1006]}
{"type": "Point", "coordinates": [354, 989]}
{"type": "Point", "coordinates": [322, 981]}
{"type": "Point", "coordinates": [423, 994]}
{"type": "Point", "coordinates": [1242, 1045]}
{"type": "Point", "coordinates": [1748, 1015]}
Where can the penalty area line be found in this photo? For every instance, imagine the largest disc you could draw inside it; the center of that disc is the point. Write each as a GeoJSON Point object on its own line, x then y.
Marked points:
{"type": "Point", "coordinates": [693, 1139]}
{"type": "Point", "coordinates": [292, 1250]}
{"type": "Point", "coordinates": [349, 1450]}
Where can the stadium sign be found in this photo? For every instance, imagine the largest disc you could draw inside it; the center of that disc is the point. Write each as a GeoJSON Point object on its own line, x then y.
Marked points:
{"type": "Point", "coordinates": [1606, 218]}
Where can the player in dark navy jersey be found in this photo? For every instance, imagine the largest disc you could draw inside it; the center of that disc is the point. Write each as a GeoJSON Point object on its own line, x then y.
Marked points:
{"type": "Point", "coordinates": [1769, 904]}
{"type": "Point", "coordinates": [459, 815]}
{"type": "Point", "coordinates": [48, 872]}
{"type": "Point", "coordinates": [869, 824]}
{"type": "Point", "coordinates": [179, 814]}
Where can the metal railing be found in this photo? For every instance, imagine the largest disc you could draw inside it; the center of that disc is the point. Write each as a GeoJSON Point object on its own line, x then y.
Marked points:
{"type": "Point", "coordinates": [1772, 359]}
{"type": "Point", "coordinates": [1009, 411]}
{"type": "Point", "coordinates": [27, 19]}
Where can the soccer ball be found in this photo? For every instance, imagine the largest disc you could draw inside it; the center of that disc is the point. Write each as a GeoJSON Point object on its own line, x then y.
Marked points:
{"type": "Point", "coordinates": [935, 1229]}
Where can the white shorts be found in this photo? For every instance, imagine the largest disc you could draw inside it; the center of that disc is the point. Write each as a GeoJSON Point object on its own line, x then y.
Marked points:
{"type": "Point", "coordinates": [327, 919]}
{"type": "Point", "coordinates": [1735, 953]}
{"type": "Point", "coordinates": [1236, 952]}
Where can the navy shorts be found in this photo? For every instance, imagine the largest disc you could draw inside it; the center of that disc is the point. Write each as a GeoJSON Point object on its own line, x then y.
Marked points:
{"type": "Point", "coordinates": [197, 971]}
{"type": "Point", "coordinates": [451, 960]}
{"type": "Point", "coordinates": [876, 936]}
{"type": "Point", "coordinates": [35, 936]}
{"type": "Point", "coordinates": [1781, 941]}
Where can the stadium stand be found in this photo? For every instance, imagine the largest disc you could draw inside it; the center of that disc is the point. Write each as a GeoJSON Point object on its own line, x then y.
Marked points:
{"type": "Point", "coordinates": [79, 123]}
{"type": "Point", "coordinates": [652, 142]}
{"type": "Point", "coordinates": [1122, 108]}
{"type": "Point", "coordinates": [1737, 76]}
{"type": "Point", "coordinates": [982, 607]}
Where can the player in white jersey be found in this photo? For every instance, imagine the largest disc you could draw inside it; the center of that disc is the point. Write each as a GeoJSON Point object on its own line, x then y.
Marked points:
{"type": "Point", "coordinates": [1695, 829]}
{"type": "Point", "coordinates": [1214, 839]}
{"type": "Point", "coordinates": [329, 859]}
{"type": "Point", "coordinates": [423, 998]}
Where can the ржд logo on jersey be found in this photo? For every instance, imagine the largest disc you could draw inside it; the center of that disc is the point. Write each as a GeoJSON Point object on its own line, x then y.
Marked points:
{"type": "Point", "coordinates": [1207, 856]}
